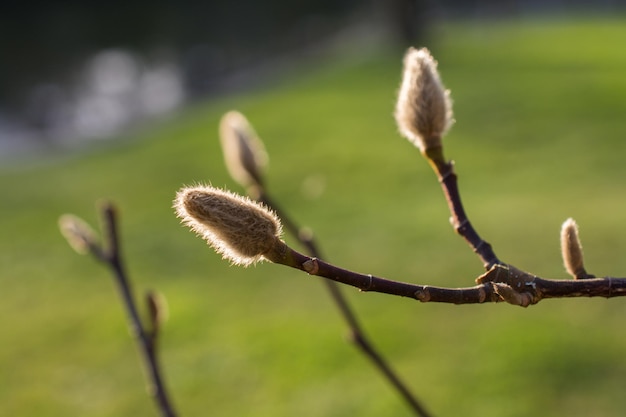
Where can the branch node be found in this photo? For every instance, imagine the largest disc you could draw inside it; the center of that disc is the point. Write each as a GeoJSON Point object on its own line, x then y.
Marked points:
{"type": "Point", "coordinates": [369, 284]}
{"type": "Point", "coordinates": [507, 274]}
{"type": "Point", "coordinates": [311, 266]}
{"type": "Point", "coordinates": [482, 294]}
{"type": "Point", "coordinates": [508, 294]}
{"type": "Point", "coordinates": [458, 227]}
{"type": "Point", "coordinates": [423, 295]}
{"type": "Point", "coordinates": [447, 173]}
{"type": "Point", "coordinates": [478, 246]}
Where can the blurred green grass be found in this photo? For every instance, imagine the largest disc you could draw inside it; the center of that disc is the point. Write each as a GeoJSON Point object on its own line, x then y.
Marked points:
{"type": "Point", "coordinates": [539, 137]}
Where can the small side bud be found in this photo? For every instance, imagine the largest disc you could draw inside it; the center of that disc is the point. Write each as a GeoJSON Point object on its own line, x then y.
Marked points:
{"type": "Point", "coordinates": [572, 250]}
{"type": "Point", "coordinates": [236, 227]}
{"type": "Point", "coordinates": [424, 109]}
{"type": "Point", "coordinates": [157, 312]}
{"type": "Point", "coordinates": [78, 233]}
{"type": "Point", "coordinates": [508, 294]}
{"type": "Point", "coordinates": [244, 152]}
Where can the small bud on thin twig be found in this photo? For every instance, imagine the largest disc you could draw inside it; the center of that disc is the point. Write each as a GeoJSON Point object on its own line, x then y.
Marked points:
{"type": "Point", "coordinates": [572, 250]}
{"type": "Point", "coordinates": [508, 294]}
{"type": "Point", "coordinates": [239, 229]}
{"type": "Point", "coordinates": [78, 233]}
{"type": "Point", "coordinates": [423, 110]}
{"type": "Point", "coordinates": [157, 312]}
{"type": "Point", "coordinates": [244, 152]}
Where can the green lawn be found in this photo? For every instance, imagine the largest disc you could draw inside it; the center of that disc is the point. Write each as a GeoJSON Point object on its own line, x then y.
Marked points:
{"type": "Point", "coordinates": [539, 137]}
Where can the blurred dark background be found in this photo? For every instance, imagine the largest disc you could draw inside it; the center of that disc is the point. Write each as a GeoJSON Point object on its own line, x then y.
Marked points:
{"type": "Point", "coordinates": [72, 70]}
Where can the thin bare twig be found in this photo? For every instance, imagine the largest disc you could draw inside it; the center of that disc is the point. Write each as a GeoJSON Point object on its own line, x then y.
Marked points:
{"type": "Point", "coordinates": [111, 256]}
{"type": "Point", "coordinates": [357, 335]}
{"type": "Point", "coordinates": [448, 180]}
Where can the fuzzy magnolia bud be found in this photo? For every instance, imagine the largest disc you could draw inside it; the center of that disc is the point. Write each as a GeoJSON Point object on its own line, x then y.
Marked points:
{"type": "Point", "coordinates": [572, 250]}
{"type": "Point", "coordinates": [423, 110]}
{"type": "Point", "coordinates": [238, 228]}
{"type": "Point", "coordinates": [244, 152]}
{"type": "Point", "coordinates": [77, 232]}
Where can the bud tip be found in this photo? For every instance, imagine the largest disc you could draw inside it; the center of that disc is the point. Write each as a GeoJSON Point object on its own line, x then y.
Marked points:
{"type": "Point", "coordinates": [423, 110]}
{"type": "Point", "coordinates": [244, 153]}
{"type": "Point", "coordinates": [77, 232]}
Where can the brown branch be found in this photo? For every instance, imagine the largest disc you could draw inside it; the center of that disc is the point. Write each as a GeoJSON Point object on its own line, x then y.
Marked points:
{"type": "Point", "coordinates": [357, 335]}
{"type": "Point", "coordinates": [448, 180]}
{"type": "Point", "coordinates": [500, 283]}
{"type": "Point", "coordinates": [111, 256]}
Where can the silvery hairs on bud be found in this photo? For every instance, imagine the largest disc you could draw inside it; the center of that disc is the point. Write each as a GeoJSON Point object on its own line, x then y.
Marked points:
{"type": "Point", "coordinates": [424, 109]}
{"type": "Point", "coordinates": [571, 249]}
{"type": "Point", "coordinates": [239, 229]}
{"type": "Point", "coordinates": [80, 236]}
{"type": "Point", "coordinates": [244, 152]}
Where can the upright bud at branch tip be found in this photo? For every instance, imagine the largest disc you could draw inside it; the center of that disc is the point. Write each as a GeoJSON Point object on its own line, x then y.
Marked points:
{"type": "Point", "coordinates": [244, 152]}
{"type": "Point", "coordinates": [423, 110]}
{"type": "Point", "coordinates": [572, 250]}
{"type": "Point", "coordinates": [78, 233]}
{"type": "Point", "coordinates": [238, 228]}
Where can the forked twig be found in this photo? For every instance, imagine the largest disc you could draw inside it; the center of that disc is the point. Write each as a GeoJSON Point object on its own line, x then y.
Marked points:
{"type": "Point", "coordinates": [83, 240]}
